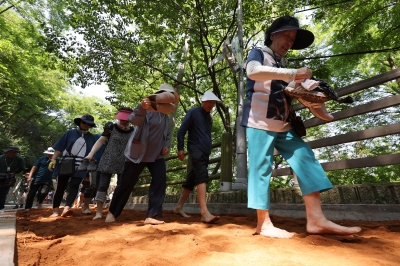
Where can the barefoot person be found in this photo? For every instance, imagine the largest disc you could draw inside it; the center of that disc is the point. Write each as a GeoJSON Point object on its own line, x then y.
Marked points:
{"type": "Point", "coordinates": [73, 144]}
{"type": "Point", "coordinates": [198, 122]}
{"type": "Point", "coordinates": [147, 146]}
{"type": "Point", "coordinates": [40, 178]}
{"type": "Point", "coordinates": [265, 118]}
{"type": "Point", "coordinates": [112, 160]}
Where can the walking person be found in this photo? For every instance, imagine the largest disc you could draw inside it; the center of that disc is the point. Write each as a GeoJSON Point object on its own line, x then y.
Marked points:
{"type": "Point", "coordinates": [147, 146]}
{"type": "Point", "coordinates": [40, 178]}
{"type": "Point", "coordinates": [265, 115]}
{"type": "Point", "coordinates": [10, 165]}
{"type": "Point", "coordinates": [112, 161]}
{"type": "Point", "coordinates": [73, 145]}
{"type": "Point", "coordinates": [198, 124]}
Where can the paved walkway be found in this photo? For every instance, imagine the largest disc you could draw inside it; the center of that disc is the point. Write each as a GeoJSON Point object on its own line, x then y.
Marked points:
{"type": "Point", "coordinates": [7, 235]}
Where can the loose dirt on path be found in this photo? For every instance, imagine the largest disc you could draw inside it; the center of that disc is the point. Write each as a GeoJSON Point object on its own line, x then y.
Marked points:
{"type": "Point", "coordinates": [79, 240]}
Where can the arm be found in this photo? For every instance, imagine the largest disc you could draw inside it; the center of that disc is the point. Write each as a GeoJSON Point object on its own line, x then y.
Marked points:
{"type": "Point", "coordinates": [257, 72]}
{"type": "Point", "coordinates": [53, 160]}
{"type": "Point", "coordinates": [100, 142]}
{"type": "Point", "coordinates": [181, 134]}
{"type": "Point", "coordinates": [33, 170]}
{"type": "Point", "coordinates": [139, 113]}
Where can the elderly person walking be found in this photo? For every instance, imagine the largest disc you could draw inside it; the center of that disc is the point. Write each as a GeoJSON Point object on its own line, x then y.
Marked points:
{"type": "Point", "coordinates": [73, 145]}
{"type": "Point", "coordinates": [198, 122]}
{"type": "Point", "coordinates": [265, 116]}
{"type": "Point", "coordinates": [112, 161]}
{"type": "Point", "coordinates": [147, 146]}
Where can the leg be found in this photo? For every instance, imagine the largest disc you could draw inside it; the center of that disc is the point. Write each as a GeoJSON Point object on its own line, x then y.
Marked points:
{"type": "Point", "coordinates": [129, 177]}
{"type": "Point", "coordinates": [156, 191]}
{"type": "Point", "coordinates": [199, 176]}
{"type": "Point", "coordinates": [73, 192]}
{"type": "Point", "coordinates": [101, 195]}
{"type": "Point", "coordinates": [3, 196]}
{"type": "Point", "coordinates": [31, 195]}
{"type": "Point", "coordinates": [43, 192]}
{"type": "Point", "coordinates": [266, 228]}
{"type": "Point", "coordinates": [62, 183]}
{"type": "Point", "coordinates": [261, 149]}
{"type": "Point", "coordinates": [206, 216]}
{"type": "Point", "coordinates": [316, 221]}
{"type": "Point", "coordinates": [182, 199]}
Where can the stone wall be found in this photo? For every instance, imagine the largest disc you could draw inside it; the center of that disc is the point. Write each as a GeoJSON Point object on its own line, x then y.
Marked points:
{"type": "Point", "coordinates": [347, 194]}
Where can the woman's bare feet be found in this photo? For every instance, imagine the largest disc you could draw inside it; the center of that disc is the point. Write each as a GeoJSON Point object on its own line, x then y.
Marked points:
{"type": "Point", "coordinates": [55, 212]}
{"type": "Point", "coordinates": [98, 216]}
{"type": "Point", "coordinates": [269, 230]}
{"type": "Point", "coordinates": [153, 221]}
{"type": "Point", "coordinates": [39, 206]}
{"type": "Point", "coordinates": [180, 212]}
{"type": "Point", "coordinates": [325, 226]}
{"type": "Point", "coordinates": [110, 218]}
{"type": "Point", "coordinates": [209, 218]}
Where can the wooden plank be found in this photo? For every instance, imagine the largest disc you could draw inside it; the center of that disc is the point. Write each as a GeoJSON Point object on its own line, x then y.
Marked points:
{"type": "Point", "coordinates": [380, 160]}
{"type": "Point", "coordinates": [355, 136]}
{"type": "Point", "coordinates": [370, 82]}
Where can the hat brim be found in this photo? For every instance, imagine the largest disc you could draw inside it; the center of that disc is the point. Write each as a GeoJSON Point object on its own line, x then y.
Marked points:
{"type": "Point", "coordinates": [47, 152]}
{"type": "Point", "coordinates": [304, 38]}
{"type": "Point", "coordinates": [176, 101]}
{"type": "Point", "coordinates": [78, 120]}
{"type": "Point", "coordinates": [7, 150]}
{"type": "Point", "coordinates": [122, 116]}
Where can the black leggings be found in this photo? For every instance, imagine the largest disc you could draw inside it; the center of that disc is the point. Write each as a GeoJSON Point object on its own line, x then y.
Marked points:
{"type": "Point", "coordinates": [62, 183]}
{"type": "Point", "coordinates": [42, 188]}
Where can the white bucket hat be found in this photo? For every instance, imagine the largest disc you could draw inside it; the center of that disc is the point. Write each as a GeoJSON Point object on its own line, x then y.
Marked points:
{"type": "Point", "coordinates": [49, 150]}
{"type": "Point", "coordinates": [209, 96]}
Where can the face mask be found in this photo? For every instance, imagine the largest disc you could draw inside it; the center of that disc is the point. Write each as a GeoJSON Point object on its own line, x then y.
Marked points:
{"type": "Point", "coordinates": [83, 132]}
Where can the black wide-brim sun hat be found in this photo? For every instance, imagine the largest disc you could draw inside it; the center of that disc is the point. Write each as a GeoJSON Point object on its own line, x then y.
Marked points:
{"type": "Point", "coordinates": [88, 119]}
{"type": "Point", "coordinates": [304, 38]}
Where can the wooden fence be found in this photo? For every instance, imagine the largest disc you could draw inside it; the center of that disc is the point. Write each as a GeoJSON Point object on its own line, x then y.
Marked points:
{"type": "Point", "coordinates": [223, 170]}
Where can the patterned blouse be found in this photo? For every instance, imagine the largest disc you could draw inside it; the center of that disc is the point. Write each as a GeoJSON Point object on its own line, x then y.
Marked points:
{"type": "Point", "coordinates": [112, 161]}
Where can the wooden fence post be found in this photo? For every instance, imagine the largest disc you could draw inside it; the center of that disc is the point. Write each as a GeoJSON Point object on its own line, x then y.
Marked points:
{"type": "Point", "coordinates": [226, 162]}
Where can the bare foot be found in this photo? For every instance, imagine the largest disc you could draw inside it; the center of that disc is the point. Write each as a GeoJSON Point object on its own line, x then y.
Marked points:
{"type": "Point", "coordinates": [54, 214]}
{"type": "Point", "coordinates": [39, 206]}
{"type": "Point", "coordinates": [98, 216]}
{"type": "Point", "coordinates": [269, 230]}
{"type": "Point", "coordinates": [180, 212]}
{"type": "Point", "coordinates": [153, 221]}
{"type": "Point", "coordinates": [209, 218]}
{"type": "Point", "coordinates": [329, 227]}
{"type": "Point", "coordinates": [110, 218]}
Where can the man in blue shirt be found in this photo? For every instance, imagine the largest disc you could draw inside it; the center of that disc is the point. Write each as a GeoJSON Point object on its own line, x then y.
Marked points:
{"type": "Point", "coordinates": [40, 177]}
{"type": "Point", "coordinates": [198, 123]}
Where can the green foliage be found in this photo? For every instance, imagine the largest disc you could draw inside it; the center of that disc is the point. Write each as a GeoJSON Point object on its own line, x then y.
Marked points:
{"type": "Point", "coordinates": [134, 46]}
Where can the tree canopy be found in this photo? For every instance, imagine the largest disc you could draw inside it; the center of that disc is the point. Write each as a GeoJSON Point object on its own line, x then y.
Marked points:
{"type": "Point", "coordinates": [134, 46]}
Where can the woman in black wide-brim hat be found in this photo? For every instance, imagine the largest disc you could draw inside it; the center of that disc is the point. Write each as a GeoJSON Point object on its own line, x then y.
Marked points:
{"type": "Point", "coordinates": [265, 117]}
{"type": "Point", "coordinates": [73, 144]}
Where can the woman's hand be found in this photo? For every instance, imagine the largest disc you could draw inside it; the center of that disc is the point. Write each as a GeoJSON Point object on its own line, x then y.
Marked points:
{"type": "Point", "coordinates": [165, 150]}
{"type": "Point", "coordinates": [302, 74]}
{"type": "Point", "coordinates": [146, 103]}
{"type": "Point", "coordinates": [181, 154]}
